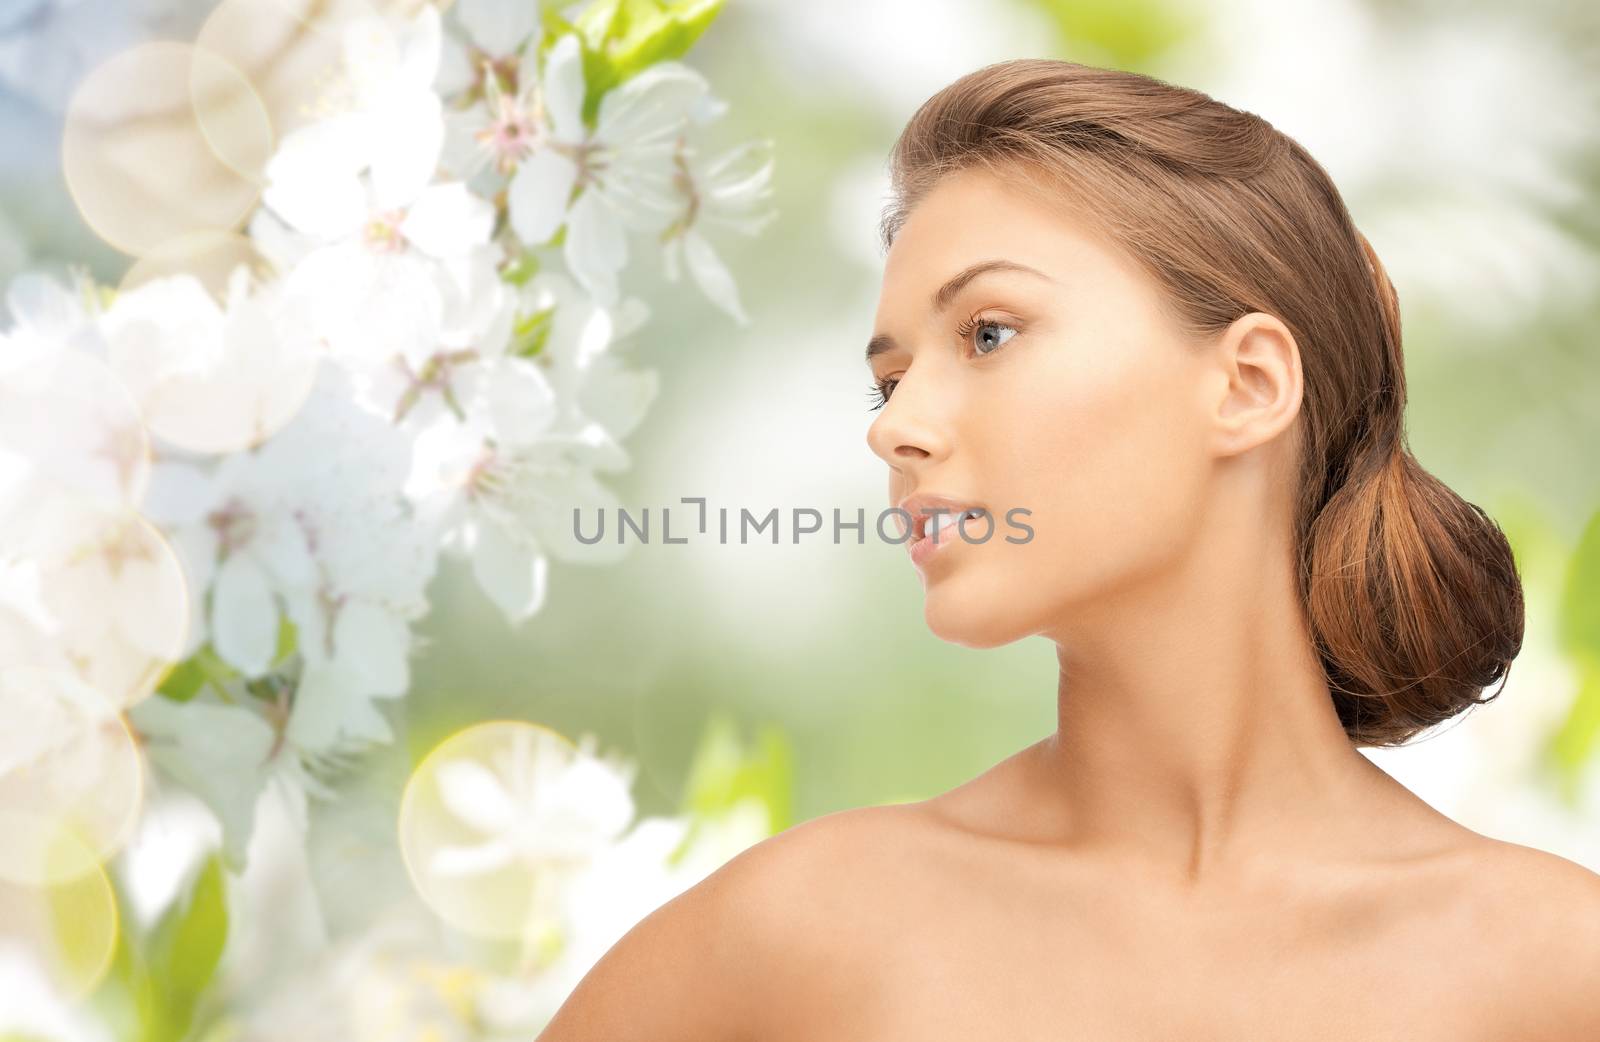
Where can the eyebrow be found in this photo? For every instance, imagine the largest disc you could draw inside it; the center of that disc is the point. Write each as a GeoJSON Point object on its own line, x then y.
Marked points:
{"type": "Point", "coordinates": [946, 293]}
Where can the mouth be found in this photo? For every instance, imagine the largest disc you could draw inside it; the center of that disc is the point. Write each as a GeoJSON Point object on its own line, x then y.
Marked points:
{"type": "Point", "coordinates": [923, 525]}
{"type": "Point", "coordinates": [935, 524]}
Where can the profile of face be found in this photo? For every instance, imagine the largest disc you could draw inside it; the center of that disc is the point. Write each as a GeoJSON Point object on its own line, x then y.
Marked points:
{"type": "Point", "coordinates": [1064, 391]}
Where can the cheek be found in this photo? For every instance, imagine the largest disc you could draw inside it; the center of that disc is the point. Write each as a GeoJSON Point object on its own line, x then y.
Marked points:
{"type": "Point", "coordinates": [1107, 457]}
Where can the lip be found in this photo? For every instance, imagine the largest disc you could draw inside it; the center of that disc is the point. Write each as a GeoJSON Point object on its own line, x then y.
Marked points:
{"type": "Point", "coordinates": [921, 508]}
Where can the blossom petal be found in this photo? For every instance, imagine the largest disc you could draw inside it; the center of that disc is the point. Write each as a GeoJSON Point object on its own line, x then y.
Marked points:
{"type": "Point", "coordinates": [591, 798]}
{"type": "Point", "coordinates": [651, 105]}
{"type": "Point", "coordinates": [179, 493]}
{"type": "Point", "coordinates": [708, 109]}
{"type": "Point", "coordinates": [671, 258]}
{"type": "Point", "coordinates": [462, 155]}
{"type": "Point", "coordinates": [479, 306]}
{"type": "Point", "coordinates": [447, 220]}
{"type": "Point", "coordinates": [39, 302]}
{"type": "Point", "coordinates": [476, 795]}
{"type": "Point", "coordinates": [420, 44]}
{"type": "Point", "coordinates": [471, 861]}
{"type": "Point", "coordinates": [521, 402]}
{"type": "Point", "coordinates": [528, 69]}
{"type": "Point", "coordinates": [712, 276]}
{"type": "Point", "coordinates": [618, 397]}
{"type": "Point", "coordinates": [312, 180]}
{"type": "Point", "coordinates": [538, 195]}
{"type": "Point", "coordinates": [366, 307]}
{"type": "Point", "coordinates": [455, 68]}
{"type": "Point", "coordinates": [513, 576]}
{"type": "Point", "coordinates": [196, 547]}
{"type": "Point", "coordinates": [221, 753]}
{"type": "Point", "coordinates": [244, 616]}
{"type": "Point", "coordinates": [741, 176]}
{"type": "Point", "coordinates": [498, 27]}
{"type": "Point", "coordinates": [374, 643]}
{"type": "Point", "coordinates": [596, 247]}
{"type": "Point", "coordinates": [407, 141]}
{"type": "Point", "coordinates": [579, 491]}
{"type": "Point", "coordinates": [280, 547]}
{"type": "Point", "coordinates": [331, 710]}
{"type": "Point", "coordinates": [563, 89]}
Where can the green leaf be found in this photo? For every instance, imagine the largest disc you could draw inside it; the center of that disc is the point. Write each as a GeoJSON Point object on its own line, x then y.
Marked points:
{"type": "Point", "coordinates": [622, 38]}
{"type": "Point", "coordinates": [288, 640]}
{"type": "Point", "coordinates": [531, 332]}
{"type": "Point", "coordinates": [155, 982]}
{"type": "Point", "coordinates": [1576, 740]}
{"type": "Point", "coordinates": [1580, 598]}
{"type": "Point", "coordinates": [184, 682]}
{"type": "Point", "coordinates": [522, 268]}
{"type": "Point", "coordinates": [723, 773]}
{"type": "Point", "coordinates": [204, 667]}
{"type": "Point", "coordinates": [225, 1027]}
{"type": "Point", "coordinates": [83, 919]}
{"type": "Point", "coordinates": [187, 944]}
{"type": "Point", "coordinates": [126, 999]}
{"type": "Point", "coordinates": [597, 23]}
{"type": "Point", "coordinates": [556, 25]}
{"type": "Point", "coordinates": [1126, 34]}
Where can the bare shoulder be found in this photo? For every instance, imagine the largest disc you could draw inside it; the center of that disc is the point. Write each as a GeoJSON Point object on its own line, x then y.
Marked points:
{"type": "Point", "coordinates": [1543, 892]}
{"type": "Point", "coordinates": [1545, 921]}
{"type": "Point", "coordinates": [750, 945]}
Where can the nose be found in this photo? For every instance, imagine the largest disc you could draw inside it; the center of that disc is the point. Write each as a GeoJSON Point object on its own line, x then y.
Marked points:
{"type": "Point", "coordinates": [911, 428]}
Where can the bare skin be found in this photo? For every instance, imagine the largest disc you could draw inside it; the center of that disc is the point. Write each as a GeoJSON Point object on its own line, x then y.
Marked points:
{"type": "Point", "coordinates": [948, 919]}
{"type": "Point", "coordinates": [1006, 930]}
{"type": "Point", "coordinates": [1197, 852]}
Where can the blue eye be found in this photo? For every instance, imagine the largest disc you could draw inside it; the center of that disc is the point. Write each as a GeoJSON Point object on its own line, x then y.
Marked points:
{"type": "Point", "coordinates": [987, 327]}
{"type": "Point", "coordinates": [879, 393]}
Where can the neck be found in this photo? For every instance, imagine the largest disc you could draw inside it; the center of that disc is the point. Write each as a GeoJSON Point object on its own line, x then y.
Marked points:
{"type": "Point", "coordinates": [1195, 729]}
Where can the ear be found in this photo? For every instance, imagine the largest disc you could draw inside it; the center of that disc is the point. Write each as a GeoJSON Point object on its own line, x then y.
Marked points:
{"type": "Point", "coordinates": [1260, 380]}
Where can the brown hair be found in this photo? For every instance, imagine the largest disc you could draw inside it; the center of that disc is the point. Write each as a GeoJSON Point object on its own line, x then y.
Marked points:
{"type": "Point", "coordinates": [1411, 593]}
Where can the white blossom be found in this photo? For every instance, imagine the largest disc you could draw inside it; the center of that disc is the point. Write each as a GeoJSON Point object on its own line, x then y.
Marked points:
{"type": "Point", "coordinates": [622, 170]}
{"type": "Point", "coordinates": [209, 376]}
{"type": "Point", "coordinates": [312, 526]}
{"type": "Point", "coordinates": [533, 808]}
{"type": "Point", "coordinates": [511, 119]}
{"type": "Point", "coordinates": [497, 33]}
{"type": "Point", "coordinates": [360, 184]}
{"type": "Point", "coordinates": [308, 438]}
{"type": "Point", "coordinates": [67, 422]}
{"type": "Point", "coordinates": [501, 482]}
{"type": "Point", "coordinates": [731, 192]}
{"type": "Point", "coordinates": [507, 506]}
{"type": "Point", "coordinates": [467, 368]}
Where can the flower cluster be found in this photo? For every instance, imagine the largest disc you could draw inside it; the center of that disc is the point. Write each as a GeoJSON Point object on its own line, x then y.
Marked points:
{"type": "Point", "coordinates": [222, 503]}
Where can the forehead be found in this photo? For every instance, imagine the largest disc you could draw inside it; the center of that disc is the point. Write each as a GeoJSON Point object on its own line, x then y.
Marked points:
{"type": "Point", "coordinates": [975, 215]}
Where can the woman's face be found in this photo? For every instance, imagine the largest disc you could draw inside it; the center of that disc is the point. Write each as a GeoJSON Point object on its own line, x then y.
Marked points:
{"type": "Point", "coordinates": [1070, 396]}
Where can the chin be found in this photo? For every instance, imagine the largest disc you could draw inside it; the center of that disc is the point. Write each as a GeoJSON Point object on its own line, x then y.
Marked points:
{"type": "Point", "coordinates": [970, 621]}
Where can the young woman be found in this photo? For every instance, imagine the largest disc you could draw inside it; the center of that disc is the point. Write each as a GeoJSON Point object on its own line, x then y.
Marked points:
{"type": "Point", "coordinates": [1146, 318]}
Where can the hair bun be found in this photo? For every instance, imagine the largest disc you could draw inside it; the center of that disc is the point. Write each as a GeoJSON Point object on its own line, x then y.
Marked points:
{"type": "Point", "coordinates": [1415, 602]}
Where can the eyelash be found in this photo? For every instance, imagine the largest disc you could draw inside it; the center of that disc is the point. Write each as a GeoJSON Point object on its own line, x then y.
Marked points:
{"type": "Point", "coordinates": [880, 392]}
